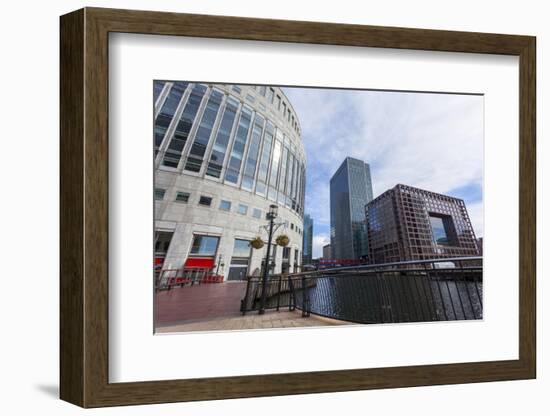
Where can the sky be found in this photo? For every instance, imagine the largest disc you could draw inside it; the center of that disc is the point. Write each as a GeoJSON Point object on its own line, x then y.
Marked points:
{"type": "Point", "coordinates": [426, 140]}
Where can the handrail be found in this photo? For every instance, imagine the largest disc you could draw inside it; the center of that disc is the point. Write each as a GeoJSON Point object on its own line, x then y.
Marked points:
{"type": "Point", "coordinates": [405, 263]}
{"type": "Point", "coordinates": [375, 267]}
{"type": "Point", "coordinates": [389, 292]}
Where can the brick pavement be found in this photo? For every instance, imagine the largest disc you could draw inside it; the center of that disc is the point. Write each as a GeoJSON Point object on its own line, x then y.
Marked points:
{"type": "Point", "coordinates": [199, 302]}
{"type": "Point", "coordinates": [213, 307]}
{"type": "Point", "coordinates": [252, 320]}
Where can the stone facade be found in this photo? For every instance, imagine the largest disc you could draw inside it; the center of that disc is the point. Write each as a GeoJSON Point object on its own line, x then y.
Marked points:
{"type": "Point", "coordinates": [190, 203]}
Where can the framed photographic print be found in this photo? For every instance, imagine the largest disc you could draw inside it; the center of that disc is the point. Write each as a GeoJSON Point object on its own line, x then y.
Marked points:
{"type": "Point", "coordinates": [255, 207]}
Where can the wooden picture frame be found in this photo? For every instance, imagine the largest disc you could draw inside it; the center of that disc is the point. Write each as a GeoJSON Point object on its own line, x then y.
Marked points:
{"type": "Point", "coordinates": [84, 207]}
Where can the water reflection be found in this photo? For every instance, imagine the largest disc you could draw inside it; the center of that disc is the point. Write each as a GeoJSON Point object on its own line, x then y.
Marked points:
{"type": "Point", "coordinates": [394, 298]}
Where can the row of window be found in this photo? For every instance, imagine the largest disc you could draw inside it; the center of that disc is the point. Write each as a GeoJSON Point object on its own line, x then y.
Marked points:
{"type": "Point", "coordinates": [256, 155]}
{"type": "Point", "coordinates": [206, 201]}
{"type": "Point", "coordinates": [205, 245]}
{"type": "Point", "coordinates": [274, 98]}
{"type": "Point", "coordinates": [225, 205]}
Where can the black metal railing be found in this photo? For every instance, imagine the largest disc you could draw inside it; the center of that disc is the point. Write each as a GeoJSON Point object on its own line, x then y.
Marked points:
{"type": "Point", "coordinates": [413, 291]}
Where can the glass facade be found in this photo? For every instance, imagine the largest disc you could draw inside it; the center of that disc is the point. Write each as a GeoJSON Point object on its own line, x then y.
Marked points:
{"type": "Point", "coordinates": [204, 131]}
{"type": "Point", "coordinates": [219, 149]}
{"type": "Point", "coordinates": [204, 245]}
{"type": "Point", "coordinates": [241, 248]}
{"type": "Point", "coordinates": [166, 113]}
{"type": "Point", "coordinates": [274, 174]}
{"type": "Point", "coordinates": [439, 231]}
{"type": "Point", "coordinates": [177, 142]}
{"type": "Point", "coordinates": [158, 86]}
{"type": "Point", "coordinates": [261, 184]}
{"type": "Point", "coordinates": [252, 159]}
{"type": "Point", "coordinates": [307, 245]}
{"type": "Point", "coordinates": [350, 191]}
{"type": "Point", "coordinates": [237, 153]}
{"type": "Point", "coordinates": [208, 130]}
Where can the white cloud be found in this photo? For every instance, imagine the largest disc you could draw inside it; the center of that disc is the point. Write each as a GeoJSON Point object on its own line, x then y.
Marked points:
{"type": "Point", "coordinates": [319, 240]}
{"type": "Point", "coordinates": [431, 141]}
{"type": "Point", "coordinates": [475, 212]}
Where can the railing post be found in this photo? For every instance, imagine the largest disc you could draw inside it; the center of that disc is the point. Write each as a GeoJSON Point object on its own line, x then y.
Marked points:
{"type": "Point", "coordinates": [291, 295]}
{"type": "Point", "coordinates": [279, 291]}
{"type": "Point", "coordinates": [305, 300]}
{"type": "Point", "coordinates": [244, 302]}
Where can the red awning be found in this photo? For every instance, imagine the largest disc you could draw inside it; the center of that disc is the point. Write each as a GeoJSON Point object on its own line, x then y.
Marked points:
{"type": "Point", "coordinates": [199, 263]}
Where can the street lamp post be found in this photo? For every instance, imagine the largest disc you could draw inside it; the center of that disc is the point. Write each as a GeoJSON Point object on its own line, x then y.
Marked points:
{"type": "Point", "coordinates": [220, 258]}
{"type": "Point", "coordinates": [271, 215]}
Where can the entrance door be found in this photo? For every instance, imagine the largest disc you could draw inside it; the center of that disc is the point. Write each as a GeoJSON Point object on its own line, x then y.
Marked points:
{"type": "Point", "coordinates": [237, 272]}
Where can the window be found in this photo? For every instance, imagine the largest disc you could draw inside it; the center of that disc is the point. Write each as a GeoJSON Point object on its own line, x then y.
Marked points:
{"type": "Point", "coordinates": [278, 102]}
{"type": "Point", "coordinates": [243, 209]}
{"type": "Point", "coordinates": [250, 98]}
{"type": "Point", "coordinates": [241, 248]}
{"type": "Point", "coordinates": [162, 241]}
{"type": "Point", "coordinates": [167, 112]}
{"type": "Point", "coordinates": [289, 176]}
{"type": "Point", "coordinates": [205, 200]}
{"type": "Point", "coordinates": [283, 174]}
{"type": "Point", "coordinates": [222, 138]}
{"type": "Point", "coordinates": [264, 161]}
{"type": "Point", "coordinates": [159, 194]}
{"type": "Point", "coordinates": [262, 89]}
{"type": "Point", "coordinates": [257, 213]}
{"type": "Point", "coordinates": [284, 108]}
{"type": "Point", "coordinates": [252, 158]}
{"type": "Point", "coordinates": [182, 197]}
{"type": "Point", "coordinates": [177, 143]}
{"type": "Point", "coordinates": [292, 226]}
{"type": "Point", "coordinates": [286, 253]}
{"type": "Point", "coordinates": [275, 159]}
{"type": "Point", "coordinates": [237, 89]}
{"type": "Point", "coordinates": [270, 94]}
{"type": "Point", "coordinates": [235, 161]}
{"type": "Point", "coordinates": [205, 245]}
{"type": "Point", "coordinates": [202, 136]}
{"type": "Point", "coordinates": [225, 205]}
{"type": "Point", "coordinates": [442, 229]}
{"type": "Point", "coordinates": [157, 89]}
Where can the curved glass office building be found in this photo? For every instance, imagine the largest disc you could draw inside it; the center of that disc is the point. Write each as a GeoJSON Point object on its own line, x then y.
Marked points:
{"type": "Point", "coordinates": [223, 155]}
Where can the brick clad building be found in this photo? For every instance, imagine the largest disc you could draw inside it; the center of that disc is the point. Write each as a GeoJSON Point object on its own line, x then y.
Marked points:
{"type": "Point", "coordinates": [406, 223]}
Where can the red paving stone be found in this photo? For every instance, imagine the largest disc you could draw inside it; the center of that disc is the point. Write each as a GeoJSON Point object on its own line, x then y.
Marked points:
{"type": "Point", "coordinates": [198, 302]}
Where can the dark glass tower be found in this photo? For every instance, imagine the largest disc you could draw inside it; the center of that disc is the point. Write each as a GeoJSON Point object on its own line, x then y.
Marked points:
{"type": "Point", "coordinates": [350, 191]}
{"type": "Point", "coordinates": [307, 245]}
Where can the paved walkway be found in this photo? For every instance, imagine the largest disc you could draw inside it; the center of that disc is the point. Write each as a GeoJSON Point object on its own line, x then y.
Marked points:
{"type": "Point", "coordinates": [252, 320]}
{"type": "Point", "coordinates": [199, 302]}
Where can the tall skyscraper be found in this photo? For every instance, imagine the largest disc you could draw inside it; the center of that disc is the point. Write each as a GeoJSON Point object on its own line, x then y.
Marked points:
{"type": "Point", "coordinates": [307, 250]}
{"type": "Point", "coordinates": [350, 191]}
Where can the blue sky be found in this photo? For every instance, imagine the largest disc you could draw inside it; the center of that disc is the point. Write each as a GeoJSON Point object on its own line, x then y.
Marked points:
{"type": "Point", "coordinates": [431, 141]}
